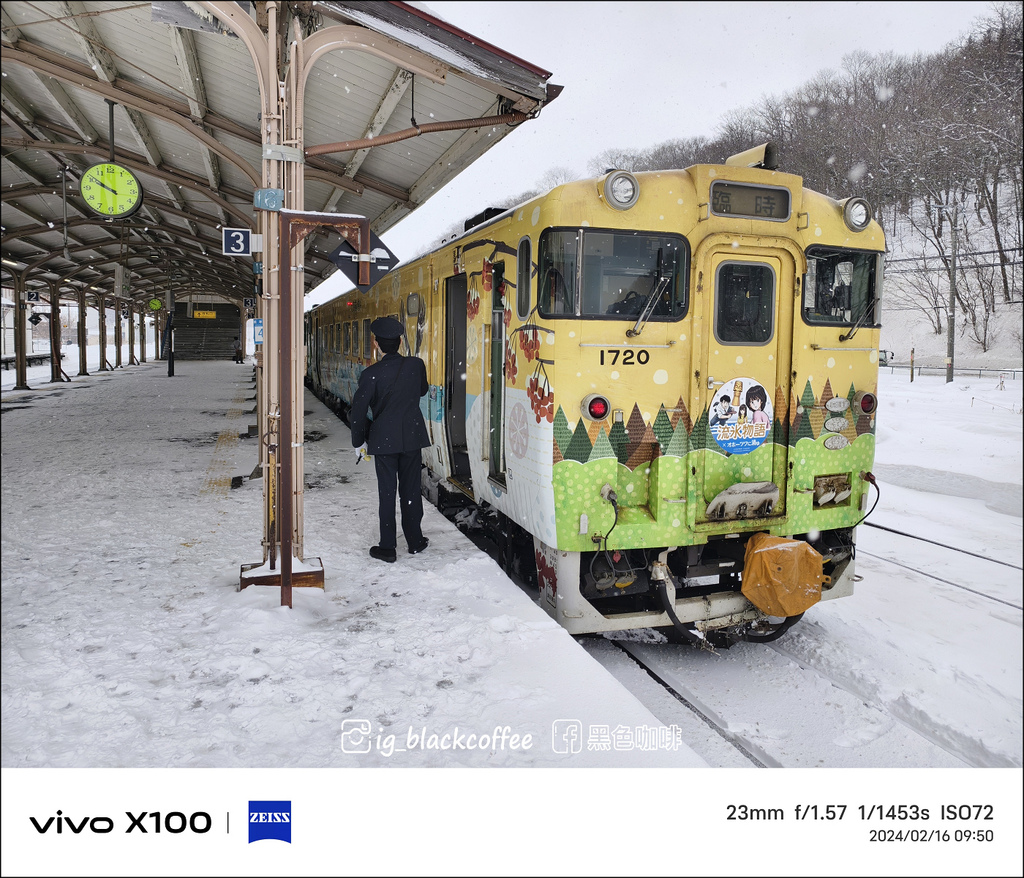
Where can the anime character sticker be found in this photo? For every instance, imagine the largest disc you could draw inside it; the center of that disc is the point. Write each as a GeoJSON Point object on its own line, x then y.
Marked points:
{"type": "Point", "coordinates": [741, 417]}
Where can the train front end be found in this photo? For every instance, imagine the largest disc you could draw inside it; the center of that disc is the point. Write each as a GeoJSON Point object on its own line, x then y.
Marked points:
{"type": "Point", "coordinates": [711, 361]}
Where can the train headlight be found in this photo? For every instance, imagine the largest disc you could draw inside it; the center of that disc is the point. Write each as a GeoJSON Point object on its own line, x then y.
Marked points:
{"type": "Point", "coordinates": [856, 214]}
{"type": "Point", "coordinates": [595, 407]}
{"type": "Point", "coordinates": [621, 190]}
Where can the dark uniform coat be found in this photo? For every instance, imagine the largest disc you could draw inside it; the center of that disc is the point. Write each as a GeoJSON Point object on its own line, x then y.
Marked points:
{"type": "Point", "coordinates": [391, 390]}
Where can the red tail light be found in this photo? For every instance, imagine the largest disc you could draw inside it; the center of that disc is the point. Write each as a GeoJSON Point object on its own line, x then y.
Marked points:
{"type": "Point", "coordinates": [867, 403]}
{"type": "Point", "coordinates": [595, 407]}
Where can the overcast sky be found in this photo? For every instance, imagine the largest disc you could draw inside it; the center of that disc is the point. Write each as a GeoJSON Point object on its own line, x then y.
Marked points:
{"type": "Point", "coordinates": [638, 74]}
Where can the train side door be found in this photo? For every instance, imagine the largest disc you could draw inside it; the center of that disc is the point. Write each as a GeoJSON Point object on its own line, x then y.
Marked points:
{"type": "Point", "coordinates": [456, 306]}
{"type": "Point", "coordinates": [496, 450]}
{"type": "Point", "coordinates": [747, 340]}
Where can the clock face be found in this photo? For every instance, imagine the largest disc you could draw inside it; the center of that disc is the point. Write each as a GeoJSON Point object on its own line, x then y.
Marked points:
{"type": "Point", "coordinates": [155, 304]}
{"type": "Point", "coordinates": [111, 191]}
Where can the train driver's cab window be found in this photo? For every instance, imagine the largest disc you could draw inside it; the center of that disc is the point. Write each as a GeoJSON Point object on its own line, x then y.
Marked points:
{"type": "Point", "coordinates": [840, 287]}
{"type": "Point", "coordinates": [612, 275]}
{"type": "Point", "coordinates": [557, 258]}
{"type": "Point", "coordinates": [744, 303]}
{"type": "Point", "coordinates": [626, 275]}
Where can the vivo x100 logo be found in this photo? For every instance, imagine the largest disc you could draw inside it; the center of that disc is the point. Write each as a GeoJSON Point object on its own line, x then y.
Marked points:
{"type": "Point", "coordinates": [174, 822]}
{"type": "Point", "coordinates": [270, 820]}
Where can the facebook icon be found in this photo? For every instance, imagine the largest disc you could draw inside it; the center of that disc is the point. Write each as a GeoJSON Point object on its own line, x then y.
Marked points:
{"type": "Point", "coordinates": [567, 736]}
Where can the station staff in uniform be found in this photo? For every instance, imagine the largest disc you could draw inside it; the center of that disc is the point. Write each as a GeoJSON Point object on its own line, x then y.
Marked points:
{"type": "Point", "coordinates": [391, 389]}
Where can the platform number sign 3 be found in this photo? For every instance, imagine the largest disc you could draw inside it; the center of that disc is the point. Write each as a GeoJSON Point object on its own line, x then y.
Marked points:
{"type": "Point", "coordinates": [237, 242]}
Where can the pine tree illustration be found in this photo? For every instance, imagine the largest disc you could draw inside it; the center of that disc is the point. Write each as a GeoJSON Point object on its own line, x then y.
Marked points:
{"type": "Point", "coordinates": [805, 430]}
{"type": "Point", "coordinates": [780, 429]}
{"type": "Point", "coordinates": [795, 418]}
{"type": "Point", "coordinates": [682, 414]}
{"type": "Point", "coordinates": [646, 450]}
{"type": "Point", "coordinates": [619, 441]}
{"type": "Point", "coordinates": [580, 447]}
{"type": "Point", "coordinates": [563, 434]}
{"type": "Point", "coordinates": [602, 447]}
{"type": "Point", "coordinates": [699, 437]}
{"type": "Point", "coordinates": [679, 444]}
{"type": "Point", "coordinates": [636, 427]}
{"type": "Point", "coordinates": [827, 393]}
{"type": "Point", "coordinates": [663, 428]}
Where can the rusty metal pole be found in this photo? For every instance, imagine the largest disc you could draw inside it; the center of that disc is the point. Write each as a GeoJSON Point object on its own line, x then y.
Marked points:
{"type": "Point", "coordinates": [131, 334]}
{"type": "Point", "coordinates": [118, 333]}
{"type": "Point", "coordinates": [101, 306]}
{"type": "Point", "coordinates": [55, 370]}
{"type": "Point", "coordinates": [142, 335]}
{"type": "Point", "coordinates": [287, 451]}
{"type": "Point", "coordinates": [20, 340]}
{"type": "Point", "coordinates": [83, 334]}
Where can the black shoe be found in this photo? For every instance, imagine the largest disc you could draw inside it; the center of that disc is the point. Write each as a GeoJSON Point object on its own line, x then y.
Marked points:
{"type": "Point", "coordinates": [382, 554]}
{"type": "Point", "coordinates": [419, 547]}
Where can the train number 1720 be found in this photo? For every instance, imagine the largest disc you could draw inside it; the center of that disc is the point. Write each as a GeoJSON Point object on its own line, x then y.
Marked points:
{"type": "Point", "coordinates": [630, 357]}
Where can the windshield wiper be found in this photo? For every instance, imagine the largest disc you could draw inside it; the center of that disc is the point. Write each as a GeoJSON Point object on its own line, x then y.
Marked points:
{"type": "Point", "coordinates": [648, 308]}
{"type": "Point", "coordinates": [861, 320]}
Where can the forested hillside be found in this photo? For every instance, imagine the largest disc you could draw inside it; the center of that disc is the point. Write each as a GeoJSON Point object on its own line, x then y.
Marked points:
{"type": "Point", "coordinates": [935, 144]}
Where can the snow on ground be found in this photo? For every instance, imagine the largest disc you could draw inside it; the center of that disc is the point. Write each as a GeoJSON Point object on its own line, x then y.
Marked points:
{"type": "Point", "coordinates": [126, 643]}
{"type": "Point", "coordinates": [131, 646]}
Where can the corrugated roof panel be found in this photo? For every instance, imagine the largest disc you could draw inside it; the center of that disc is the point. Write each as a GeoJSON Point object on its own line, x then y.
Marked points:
{"type": "Point", "coordinates": [344, 94]}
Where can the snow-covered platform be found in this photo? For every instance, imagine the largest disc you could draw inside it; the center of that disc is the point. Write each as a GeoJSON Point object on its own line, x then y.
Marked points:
{"type": "Point", "coordinates": [127, 642]}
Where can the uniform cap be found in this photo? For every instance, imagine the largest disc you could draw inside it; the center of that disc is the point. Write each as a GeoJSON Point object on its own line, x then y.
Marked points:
{"type": "Point", "coordinates": [386, 327]}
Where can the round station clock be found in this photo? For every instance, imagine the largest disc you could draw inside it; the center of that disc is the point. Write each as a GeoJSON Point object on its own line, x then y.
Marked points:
{"type": "Point", "coordinates": [111, 191]}
{"type": "Point", "coordinates": [155, 304]}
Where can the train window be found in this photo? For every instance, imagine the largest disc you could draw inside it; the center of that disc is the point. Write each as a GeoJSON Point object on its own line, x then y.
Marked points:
{"type": "Point", "coordinates": [337, 338]}
{"type": "Point", "coordinates": [346, 339]}
{"type": "Point", "coordinates": [557, 259]}
{"type": "Point", "coordinates": [624, 271]}
{"type": "Point", "coordinates": [524, 268]}
{"type": "Point", "coordinates": [744, 303]}
{"type": "Point", "coordinates": [367, 338]}
{"type": "Point", "coordinates": [355, 339]}
{"type": "Point", "coordinates": [840, 286]}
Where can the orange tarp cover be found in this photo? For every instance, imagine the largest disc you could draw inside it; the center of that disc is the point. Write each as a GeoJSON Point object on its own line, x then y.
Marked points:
{"type": "Point", "coordinates": [781, 577]}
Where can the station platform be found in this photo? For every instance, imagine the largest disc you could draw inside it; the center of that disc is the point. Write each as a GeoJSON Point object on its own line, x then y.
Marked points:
{"type": "Point", "coordinates": [127, 642]}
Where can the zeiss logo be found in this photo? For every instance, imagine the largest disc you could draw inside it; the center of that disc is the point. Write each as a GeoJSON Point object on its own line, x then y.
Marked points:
{"type": "Point", "coordinates": [270, 820]}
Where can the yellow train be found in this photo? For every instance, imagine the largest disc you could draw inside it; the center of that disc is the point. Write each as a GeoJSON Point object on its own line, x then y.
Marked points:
{"type": "Point", "coordinates": [663, 383]}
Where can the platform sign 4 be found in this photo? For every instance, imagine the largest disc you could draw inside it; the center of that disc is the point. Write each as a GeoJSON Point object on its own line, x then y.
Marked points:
{"type": "Point", "coordinates": [256, 330]}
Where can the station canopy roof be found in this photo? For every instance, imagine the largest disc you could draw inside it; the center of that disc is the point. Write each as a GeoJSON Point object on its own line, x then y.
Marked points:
{"type": "Point", "coordinates": [184, 96]}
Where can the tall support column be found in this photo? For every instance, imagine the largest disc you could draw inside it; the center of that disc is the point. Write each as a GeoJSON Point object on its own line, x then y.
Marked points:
{"type": "Point", "coordinates": [83, 335]}
{"type": "Point", "coordinates": [142, 335]}
{"type": "Point", "coordinates": [20, 335]}
{"type": "Point", "coordinates": [131, 334]}
{"type": "Point", "coordinates": [55, 370]}
{"type": "Point", "coordinates": [101, 306]}
{"type": "Point", "coordinates": [118, 333]}
{"type": "Point", "coordinates": [279, 365]}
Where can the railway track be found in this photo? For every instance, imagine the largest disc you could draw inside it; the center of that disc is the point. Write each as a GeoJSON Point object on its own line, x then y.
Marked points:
{"type": "Point", "coordinates": [987, 586]}
{"type": "Point", "coordinates": [756, 706]}
{"type": "Point", "coordinates": [830, 693]}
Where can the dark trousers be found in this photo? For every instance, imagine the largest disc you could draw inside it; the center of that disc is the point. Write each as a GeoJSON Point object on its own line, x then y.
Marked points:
{"type": "Point", "coordinates": [403, 471]}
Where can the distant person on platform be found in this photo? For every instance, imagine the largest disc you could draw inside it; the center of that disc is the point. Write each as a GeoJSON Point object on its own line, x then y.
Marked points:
{"type": "Point", "coordinates": [239, 358]}
{"type": "Point", "coordinates": [393, 435]}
